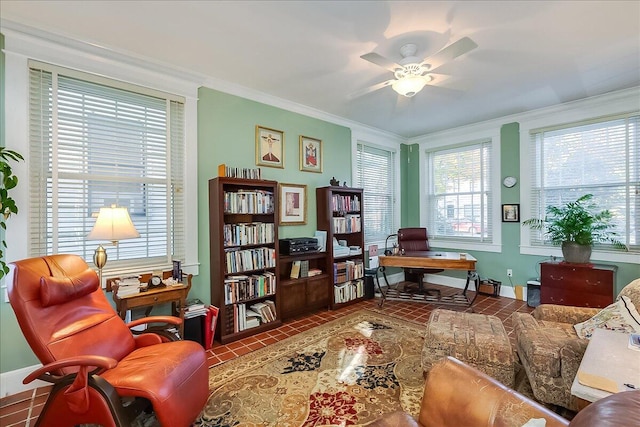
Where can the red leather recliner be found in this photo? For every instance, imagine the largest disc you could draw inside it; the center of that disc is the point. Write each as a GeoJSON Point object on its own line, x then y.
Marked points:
{"type": "Point", "coordinates": [414, 241]}
{"type": "Point", "coordinates": [91, 356]}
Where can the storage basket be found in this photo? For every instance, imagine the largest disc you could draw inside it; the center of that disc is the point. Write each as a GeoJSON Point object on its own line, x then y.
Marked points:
{"type": "Point", "coordinates": [489, 287]}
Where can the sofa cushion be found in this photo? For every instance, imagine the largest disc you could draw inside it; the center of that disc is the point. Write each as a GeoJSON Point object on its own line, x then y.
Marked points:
{"type": "Point", "coordinates": [620, 316]}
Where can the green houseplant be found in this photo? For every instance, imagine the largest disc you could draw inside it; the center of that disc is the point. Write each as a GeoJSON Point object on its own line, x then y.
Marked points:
{"type": "Point", "coordinates": [7, 204]}
{"type": "Point", "coordinates": [577, 226]}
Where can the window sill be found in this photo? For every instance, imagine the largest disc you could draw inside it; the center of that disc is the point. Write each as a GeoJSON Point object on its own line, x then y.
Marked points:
{"type": "Point", "coordinates": [624, 257]}
{"type": "Point", "coordinates": [468, 246]}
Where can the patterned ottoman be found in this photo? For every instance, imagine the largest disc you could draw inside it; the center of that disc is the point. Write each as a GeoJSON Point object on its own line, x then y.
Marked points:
{"type": "Point", "coordinates": [476, 339]}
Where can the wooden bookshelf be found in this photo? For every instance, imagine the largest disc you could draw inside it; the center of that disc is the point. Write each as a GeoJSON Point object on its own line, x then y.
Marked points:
{"type": "Point", "coordinates": [299, 295]}
{"type": "Point", "coordinates": [243, 230]}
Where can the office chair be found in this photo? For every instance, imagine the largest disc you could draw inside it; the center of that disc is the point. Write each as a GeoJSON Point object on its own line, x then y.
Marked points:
{"type": "Point", "coordinates": [414, 241]}
{"type": "Point", "coordinates": [101, 373]}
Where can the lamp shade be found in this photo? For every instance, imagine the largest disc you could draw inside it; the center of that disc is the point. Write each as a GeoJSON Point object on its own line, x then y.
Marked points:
{"type": "Point", "coordinates": [409, 85]}
{"type": "Point", "coordinates": [113, 224]}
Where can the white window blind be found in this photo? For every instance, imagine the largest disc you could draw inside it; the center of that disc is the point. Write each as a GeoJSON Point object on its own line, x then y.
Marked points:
{"type": "Point", "coordinates": [94, 143]}
{"type": "Point", "coordinates": [599, 157]}
{"type": "Point", "coordinates": [459, 193]}
{"type": "Point", "coordinates": [375, 175]}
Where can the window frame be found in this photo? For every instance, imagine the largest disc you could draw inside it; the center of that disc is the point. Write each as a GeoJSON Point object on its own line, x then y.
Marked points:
{"type": "Point", "coordinates": [460, 137]}
{"type": "Point", "coordinates": [612, 104]}
{"type": "Point", "coordinates": [20, 47]}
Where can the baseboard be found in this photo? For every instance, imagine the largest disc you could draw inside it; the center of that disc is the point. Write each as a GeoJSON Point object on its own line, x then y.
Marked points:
{"type": "Point", "coordinates": [11, 381]}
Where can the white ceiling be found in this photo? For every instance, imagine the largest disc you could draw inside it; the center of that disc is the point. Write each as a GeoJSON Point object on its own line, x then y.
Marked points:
{"type": "Point", "coordinates": [531, 54]}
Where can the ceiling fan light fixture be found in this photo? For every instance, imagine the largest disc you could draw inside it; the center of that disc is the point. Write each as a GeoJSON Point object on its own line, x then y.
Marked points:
{"type": "Point", "coordinates": [410, 85]}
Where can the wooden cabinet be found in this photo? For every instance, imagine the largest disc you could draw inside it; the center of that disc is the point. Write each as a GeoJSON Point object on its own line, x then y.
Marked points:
{"type": "Point", "coordinates": [340, 214]}
{"type": "Point", "coordinates": [580, 285]}
{"type": "Point", "coordinates": [303, 294]}
{"type": "Point", "coordinates": [243, 238]}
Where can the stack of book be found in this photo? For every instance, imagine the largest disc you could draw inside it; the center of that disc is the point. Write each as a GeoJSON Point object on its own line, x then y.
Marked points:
{"type": "Point", "coordinates": [195, 308]}
{"type": "Point", "coordinates": [128, 286]}
{"type": "Point", "coordinates": [266, 310]}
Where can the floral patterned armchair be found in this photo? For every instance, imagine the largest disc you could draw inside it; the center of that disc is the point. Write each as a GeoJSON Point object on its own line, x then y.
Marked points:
{"type": "Point", "coordinates": [550, 349]}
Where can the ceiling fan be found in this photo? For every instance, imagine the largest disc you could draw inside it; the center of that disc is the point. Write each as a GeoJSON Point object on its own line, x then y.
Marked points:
{"type": "Point", "coordinates": [411, 74]}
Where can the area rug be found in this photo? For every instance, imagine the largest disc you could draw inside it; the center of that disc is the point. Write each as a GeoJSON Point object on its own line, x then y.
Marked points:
{"type": "Point", "coordinates": [348, 371]}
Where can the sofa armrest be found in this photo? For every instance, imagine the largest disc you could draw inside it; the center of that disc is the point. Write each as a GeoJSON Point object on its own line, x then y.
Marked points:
{"type": "Point", "coordinates": [459, 395]}
{"type": "Point", "coordinates": [563, 313]}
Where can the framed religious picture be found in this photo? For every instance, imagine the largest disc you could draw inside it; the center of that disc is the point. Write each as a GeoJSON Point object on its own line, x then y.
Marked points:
{"type": "Point", "coordinates": [510, 213]}
{"type": "Point", "coordinates": [293, 204]}
{"type": "Point", "coordinates": [269, 147]}
{"type": "Point", "coordinates": [310, 154]}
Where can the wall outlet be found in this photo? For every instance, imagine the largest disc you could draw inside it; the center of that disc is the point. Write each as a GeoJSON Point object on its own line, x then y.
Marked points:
{"type": "Point", "coordinates": [509, 272]}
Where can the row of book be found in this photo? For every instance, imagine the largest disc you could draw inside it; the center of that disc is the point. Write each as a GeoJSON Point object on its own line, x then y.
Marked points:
{"type": "Point", "coordinates": [301, 269]}
{"type": "Point", "coordinates": [348, 291]}
{"type": "Point", "coordinates": [254, 233]}
{"type": "Point", "coordinates": [241, 288]}
{"type": "Point", "coordinates": [254, 316]}
{"type": "Point", "coordinates": [246, 173]}
{"type": "Point", "coordinates": [347, 224]}
{"type": "Point", "coordinates": [249, 202]}
{"type": "Point", "coordinates": [348, 270]}
{"type": "Point", "coordinates": [340, 203]}
{"type": "Point", "coordinates": [249, 259]}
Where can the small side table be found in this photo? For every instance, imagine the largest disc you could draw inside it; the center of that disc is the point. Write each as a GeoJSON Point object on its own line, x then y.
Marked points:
{"type": "Point", "coordinates": [176, 295]}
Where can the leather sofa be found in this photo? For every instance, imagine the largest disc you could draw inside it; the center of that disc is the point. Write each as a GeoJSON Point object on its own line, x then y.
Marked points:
{"type": "Point", "coordinates": [458, 395]}
{"type": "Point", "coordinates": [551, 351]}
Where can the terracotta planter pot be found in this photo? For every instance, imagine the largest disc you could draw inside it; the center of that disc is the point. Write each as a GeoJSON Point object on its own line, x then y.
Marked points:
{"type": "Point", "coordinates": [575, 253]}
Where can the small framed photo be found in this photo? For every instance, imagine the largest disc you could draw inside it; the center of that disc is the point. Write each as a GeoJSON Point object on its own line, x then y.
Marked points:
{"type": "Point", "coordinates": [269, 147]}
{"type": "Point", "coordinates": [310, 154]}
{"type": "Point", "coordinates": [510, 213]}
{"type": "Point", "coordinates": [293, 204]}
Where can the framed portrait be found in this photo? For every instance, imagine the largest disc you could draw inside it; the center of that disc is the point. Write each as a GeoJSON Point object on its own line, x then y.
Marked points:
{"type": "Point", "coordinates": [269, 147]}
{"type": "Point", "coordinates": [293, 204]}
{"type": "Point", "coordinates": [310, 154]}
{"type": "Point", "coordinates": [510, 213]}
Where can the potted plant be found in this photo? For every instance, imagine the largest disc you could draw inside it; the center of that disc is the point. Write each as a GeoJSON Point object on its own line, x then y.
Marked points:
{"type": "Point", "coordinates": [577, 226]}
{"type": "Point", "coordinates": [7, 204]}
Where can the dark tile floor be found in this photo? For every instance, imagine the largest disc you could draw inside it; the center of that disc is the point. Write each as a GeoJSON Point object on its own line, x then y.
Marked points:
{"type": "Point", "coordinates": [22, 409]}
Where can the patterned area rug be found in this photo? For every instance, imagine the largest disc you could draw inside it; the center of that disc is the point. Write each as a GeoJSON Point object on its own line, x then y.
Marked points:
{"type": "Point", "coordinates": [346, 372]}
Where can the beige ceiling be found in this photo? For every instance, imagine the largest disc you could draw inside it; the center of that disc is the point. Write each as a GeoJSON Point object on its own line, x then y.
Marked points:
{"type": "Point", "coordinates": [531, 54]}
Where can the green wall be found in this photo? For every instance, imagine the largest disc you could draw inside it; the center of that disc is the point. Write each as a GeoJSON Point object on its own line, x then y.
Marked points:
{"type": "Point", "coordinates": [410, 185]}
{"type": "Point", "coordinates": [494, 264]}
{"type": "Point", "coordinates": [226, 134]}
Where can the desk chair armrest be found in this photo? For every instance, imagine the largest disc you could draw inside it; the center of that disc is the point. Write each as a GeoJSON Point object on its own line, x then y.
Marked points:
{"type": "Point", "coordinates": [44, 373]}
{"type": "Point", "coordinates": [155, 334]}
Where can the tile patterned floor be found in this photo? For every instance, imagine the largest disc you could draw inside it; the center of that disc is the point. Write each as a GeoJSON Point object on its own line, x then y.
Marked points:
{"type": "Point", "coordinates": [21, 410]}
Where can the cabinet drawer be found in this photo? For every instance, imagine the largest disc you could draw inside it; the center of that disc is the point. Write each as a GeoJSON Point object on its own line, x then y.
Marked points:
{"type": "Point", "coordinates": [573, 298]}
{"type": "Point", "coordinates": [318, 291]}
{"type": "Point", "coordinates": [579, 279]}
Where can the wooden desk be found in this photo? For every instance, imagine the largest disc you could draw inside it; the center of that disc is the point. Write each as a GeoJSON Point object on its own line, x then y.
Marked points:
{"type": "Point", "coordinates": [607, 362]}
{"type": "Point", "coordinates": [176, 295]}
{"type": "Point", "coordinates": [435, 260]}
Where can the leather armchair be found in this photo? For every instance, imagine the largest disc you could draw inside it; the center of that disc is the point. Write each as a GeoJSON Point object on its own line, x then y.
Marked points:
{"type": "Point", "coordinates": [415, 240]}
{"type": "Point", "coordinates": [90, 355]}
{"type": "Point", "coordinates": [456, 394]}
{"type": "Point", "coordinates": [550, 350]}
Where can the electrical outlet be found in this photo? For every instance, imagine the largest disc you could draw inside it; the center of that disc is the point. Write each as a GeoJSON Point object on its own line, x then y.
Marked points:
{"type": "Point", "coordinates": [509, 272]}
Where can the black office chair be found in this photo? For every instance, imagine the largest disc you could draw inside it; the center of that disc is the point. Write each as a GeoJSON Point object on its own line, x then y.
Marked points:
{"type": "Point", "coordinates": [413, 241]}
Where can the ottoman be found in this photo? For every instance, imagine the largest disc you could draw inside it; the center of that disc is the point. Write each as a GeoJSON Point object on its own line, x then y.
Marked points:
{"type": "Point", "coordinates": [479, 340]}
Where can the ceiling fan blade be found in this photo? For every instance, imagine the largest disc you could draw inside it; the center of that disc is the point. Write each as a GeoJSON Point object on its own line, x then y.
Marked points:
{"type": "Point", "coordinates": [370, 89]}
{"type": "Point", "coordinates": [450, 52]}
{"type": "Point", "coordinates": [381, 61]}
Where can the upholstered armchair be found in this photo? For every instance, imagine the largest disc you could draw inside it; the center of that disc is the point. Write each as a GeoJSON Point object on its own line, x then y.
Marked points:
{"type": "Point", "coordinates": [550, 350]}
{"type": "Point", "coordinates": [414, 241]}
{"type": "Point", "coordinates": [101, 373]}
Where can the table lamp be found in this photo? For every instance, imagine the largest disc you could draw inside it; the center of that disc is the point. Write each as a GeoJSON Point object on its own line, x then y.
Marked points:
{"type": "Point", "coordinates": [113, 224]}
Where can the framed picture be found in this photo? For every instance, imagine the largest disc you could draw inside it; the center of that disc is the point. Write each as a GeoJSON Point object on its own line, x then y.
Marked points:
{"type": "Point", "coordinates": [269, 147]}
{"type": "Point", "coordinates": [510, 213]}
{"type": "Point", "coordinates": [293, 204]}
{"type": "Point", "coordinates": [310, 154]}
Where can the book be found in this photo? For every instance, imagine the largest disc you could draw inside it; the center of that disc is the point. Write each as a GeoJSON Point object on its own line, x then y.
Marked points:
{"type": "Point", "coordinates": [304, 268]}
{"type": "Point", "coordinates": [295, 270]}
{"type": "Point", "coordinates": [209, 326]}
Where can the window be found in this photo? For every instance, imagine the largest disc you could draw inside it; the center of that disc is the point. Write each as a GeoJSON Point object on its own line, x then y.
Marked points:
{"type": "Point", "coordinates": [375, 175]}
{"type": "Point", "coordinates": [95, 142]}
{"type": "Point", "coordinates": [600, 157]}
{"type": "Point", "coordinates": [459, 193]}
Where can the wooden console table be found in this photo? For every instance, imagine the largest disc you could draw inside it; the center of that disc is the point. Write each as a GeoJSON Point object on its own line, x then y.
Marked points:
{"type": "Point", "coordinates": [176, 295]}
{"type": "Point", "coordinates": [436, 260]}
